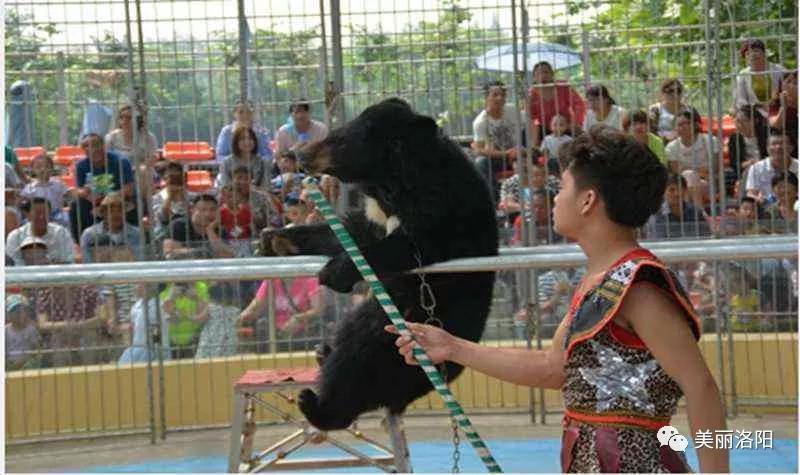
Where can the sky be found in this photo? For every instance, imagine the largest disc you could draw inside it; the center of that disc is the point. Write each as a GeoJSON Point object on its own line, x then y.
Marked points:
{"type": "Point", "coordinates": [79, 21]}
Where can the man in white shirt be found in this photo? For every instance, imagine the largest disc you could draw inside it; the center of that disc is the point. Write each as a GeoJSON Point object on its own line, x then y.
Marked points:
{"type": "Point", "coordinates": [760, 174]}
{"type": "Point", "coordinates": [301, 130]}
{"type": "Point", "coordinates": [495, 134]}
{"type": "Point", "coordinates": [60, 247]}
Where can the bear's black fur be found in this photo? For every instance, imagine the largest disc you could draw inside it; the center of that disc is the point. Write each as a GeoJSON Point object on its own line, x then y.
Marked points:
{"type": "Point", "coordinates": [403, 162]}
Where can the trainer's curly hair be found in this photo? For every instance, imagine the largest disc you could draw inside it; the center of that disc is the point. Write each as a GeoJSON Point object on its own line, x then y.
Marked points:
{"type": "Point", "coordinates": [626, 174]}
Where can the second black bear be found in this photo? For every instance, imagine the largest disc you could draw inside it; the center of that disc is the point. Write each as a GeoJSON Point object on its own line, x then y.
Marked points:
{"type": "Point", "coordinates": [425, 203]}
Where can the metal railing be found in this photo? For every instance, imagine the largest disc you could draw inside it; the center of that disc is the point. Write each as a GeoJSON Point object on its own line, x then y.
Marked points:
{"type": "Point", "coordinates": [744, 289]}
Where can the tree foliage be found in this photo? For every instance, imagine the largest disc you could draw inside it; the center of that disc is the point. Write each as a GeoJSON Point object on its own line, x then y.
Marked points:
{"type": "Point", "coordinates": [190, 82]}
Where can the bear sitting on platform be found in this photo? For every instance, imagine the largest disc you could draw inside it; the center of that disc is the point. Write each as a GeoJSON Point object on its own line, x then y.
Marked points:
{"type": "Point", "coordinates": [425, 203]}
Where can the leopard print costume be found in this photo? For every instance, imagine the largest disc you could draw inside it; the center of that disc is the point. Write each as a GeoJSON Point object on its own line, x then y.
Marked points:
{"type": "Point", "coordinates": [615, 393]}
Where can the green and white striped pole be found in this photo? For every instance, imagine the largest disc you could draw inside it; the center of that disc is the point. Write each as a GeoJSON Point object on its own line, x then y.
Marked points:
{"type": "Point", "coordinates": [397, 320]}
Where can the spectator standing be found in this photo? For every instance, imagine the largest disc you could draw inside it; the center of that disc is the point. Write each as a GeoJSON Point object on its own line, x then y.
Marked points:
{"type": "Point", "coordinates": [495, 132]}
{"type": "Point", "coordinates": [244, 153]}
{"type": "Point", "coordinates": [243, 116]}
{"type": "Point", "coordinates": [297, 304]}
{"type": "Point", "coordinates": [603, 109]}
{"type": "Point", "coordinates": [120, 139]}
{"type": "Point", "coordinates": [186, 309]}
{"type": "Point", "coordinates": [97, 175]}
{"type": "Point", "coordinates": [300, 129]}
{"type": "Point", "coordinates": [760, 175]}
{"type": "Point", "coordinates": [663, 112]}
{"type": "Point", "coordinates": [57, 238]}
{"type": "Point", "coordinates": [548, 97]}
{"type": "Point", "coordinates": [219, 336]}
{"type": "Point", "coordinates": [756, 84]}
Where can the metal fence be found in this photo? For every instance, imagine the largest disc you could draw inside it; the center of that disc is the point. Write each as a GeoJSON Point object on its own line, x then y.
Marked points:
{"type": "Point", "coordinates": [163, 376]}
{"type": "Point", "coordinates": [70, 66]}
{"type": "Point", "coordinates": [193, 59]}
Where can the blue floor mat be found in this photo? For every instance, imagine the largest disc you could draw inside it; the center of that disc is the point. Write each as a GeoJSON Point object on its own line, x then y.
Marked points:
{"type": "Point", "coordinates": [530, 455]}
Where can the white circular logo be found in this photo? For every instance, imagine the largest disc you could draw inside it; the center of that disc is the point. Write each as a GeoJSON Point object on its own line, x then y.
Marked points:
{"type": "Point", "coordinates": [678, 443]}
{"type": "Point", "coordinates": [665, 433]}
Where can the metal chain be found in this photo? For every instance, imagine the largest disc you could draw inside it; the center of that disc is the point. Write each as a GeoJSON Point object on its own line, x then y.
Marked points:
{"type": "Point", "coordinates": [427, 301]}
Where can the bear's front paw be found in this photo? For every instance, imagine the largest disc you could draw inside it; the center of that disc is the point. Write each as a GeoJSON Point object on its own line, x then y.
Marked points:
{"type": "Point", "coordinates": [339, 274]}
{"type": "Point", "coordinates": [275, 243]}
{"type": "Point", "coordinates": [308, 403]}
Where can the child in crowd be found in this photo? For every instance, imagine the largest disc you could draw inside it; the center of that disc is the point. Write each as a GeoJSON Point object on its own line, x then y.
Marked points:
{"type": "Point", "coordinates": [22, 337]}
{"type": "Point", "coordinates": [45, 185]}
{"type": "Point", "coordinates": [559, 125]}
{"type": "Point", "coordinates": [138, 351]}
{"type": "Point", "coordinates": [295, 210]}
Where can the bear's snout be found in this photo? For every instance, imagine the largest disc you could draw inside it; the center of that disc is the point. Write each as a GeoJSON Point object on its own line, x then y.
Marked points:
{"type": "Point", "coordinates": [314, 158]}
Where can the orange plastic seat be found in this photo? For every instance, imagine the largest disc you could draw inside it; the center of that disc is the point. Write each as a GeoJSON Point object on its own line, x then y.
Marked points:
{"type": "Point", "coordinates": [188, 151]}
{"type": "Point", "coordinates": [67, 155]}
{"type": "Point", "coordinates": [27, 154]}
{"type": "Point", "coordinates": [198, 181]}
{"type": "Point", "coordinates": [728, 125]}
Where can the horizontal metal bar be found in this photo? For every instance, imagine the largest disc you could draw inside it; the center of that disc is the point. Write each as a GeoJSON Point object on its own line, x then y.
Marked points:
{"type": "Point", "coordinates": [541, 257]}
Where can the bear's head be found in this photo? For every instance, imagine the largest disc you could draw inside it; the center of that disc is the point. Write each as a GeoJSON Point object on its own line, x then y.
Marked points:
{"type": "Point", "coordinates": [374, 147]}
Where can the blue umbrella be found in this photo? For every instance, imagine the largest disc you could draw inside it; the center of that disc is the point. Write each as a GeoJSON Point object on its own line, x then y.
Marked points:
{"type": "Point", "coordinates": [502, 58]}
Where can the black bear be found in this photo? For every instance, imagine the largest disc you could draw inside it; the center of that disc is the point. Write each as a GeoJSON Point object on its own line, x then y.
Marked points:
{"type": "Point", "coordinates": [425, 203]}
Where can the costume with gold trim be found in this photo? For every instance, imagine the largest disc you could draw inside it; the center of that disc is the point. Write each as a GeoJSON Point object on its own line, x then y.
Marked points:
{"type": "Point", "coordinates": [616, 394]}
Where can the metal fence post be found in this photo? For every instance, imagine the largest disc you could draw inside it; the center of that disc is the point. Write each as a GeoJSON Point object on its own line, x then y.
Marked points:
{"type": "Point", "coordinates": [243, 60]}
{"type": "Point", "coordinates": [63, 134]}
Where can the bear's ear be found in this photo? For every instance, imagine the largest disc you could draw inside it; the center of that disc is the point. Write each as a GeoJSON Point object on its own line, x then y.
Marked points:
{"type": "Point", "coordinates": [425, 123]}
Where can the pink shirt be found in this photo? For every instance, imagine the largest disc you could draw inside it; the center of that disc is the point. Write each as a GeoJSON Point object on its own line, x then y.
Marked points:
{"type": "Point", "coordinates": [302, 290]}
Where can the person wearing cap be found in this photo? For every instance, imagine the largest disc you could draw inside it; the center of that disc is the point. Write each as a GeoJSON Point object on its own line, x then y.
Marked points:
{"type": "Point", "coordinates": [57, 238]}
{"type": "Point", "coordinates": [756, 84]}
{"type": "Point", "coordinates": [70, 317]}
{"type": "Point", "coordinates": [300, 129]}
{"type": "Point", "coordinates": [243, 116]}
{"type": "Point", "coordinates": [22, 337]}
{"type": "Point", "coordinates": [112, 211]}
{"type": "Point", "coordinates": [97, 175]}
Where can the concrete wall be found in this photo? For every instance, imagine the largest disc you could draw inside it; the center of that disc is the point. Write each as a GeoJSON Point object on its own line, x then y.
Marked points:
{"type": "Point", "coordinates": [108, 398]}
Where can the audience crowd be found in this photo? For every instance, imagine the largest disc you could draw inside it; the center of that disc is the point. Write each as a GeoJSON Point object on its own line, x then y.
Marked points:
{"type": "Point", "coordinates": [117, 212]}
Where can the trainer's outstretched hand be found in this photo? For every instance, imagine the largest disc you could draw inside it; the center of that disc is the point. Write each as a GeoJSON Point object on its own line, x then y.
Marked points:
{"type": "Point", "coordinates": [436, 342]}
